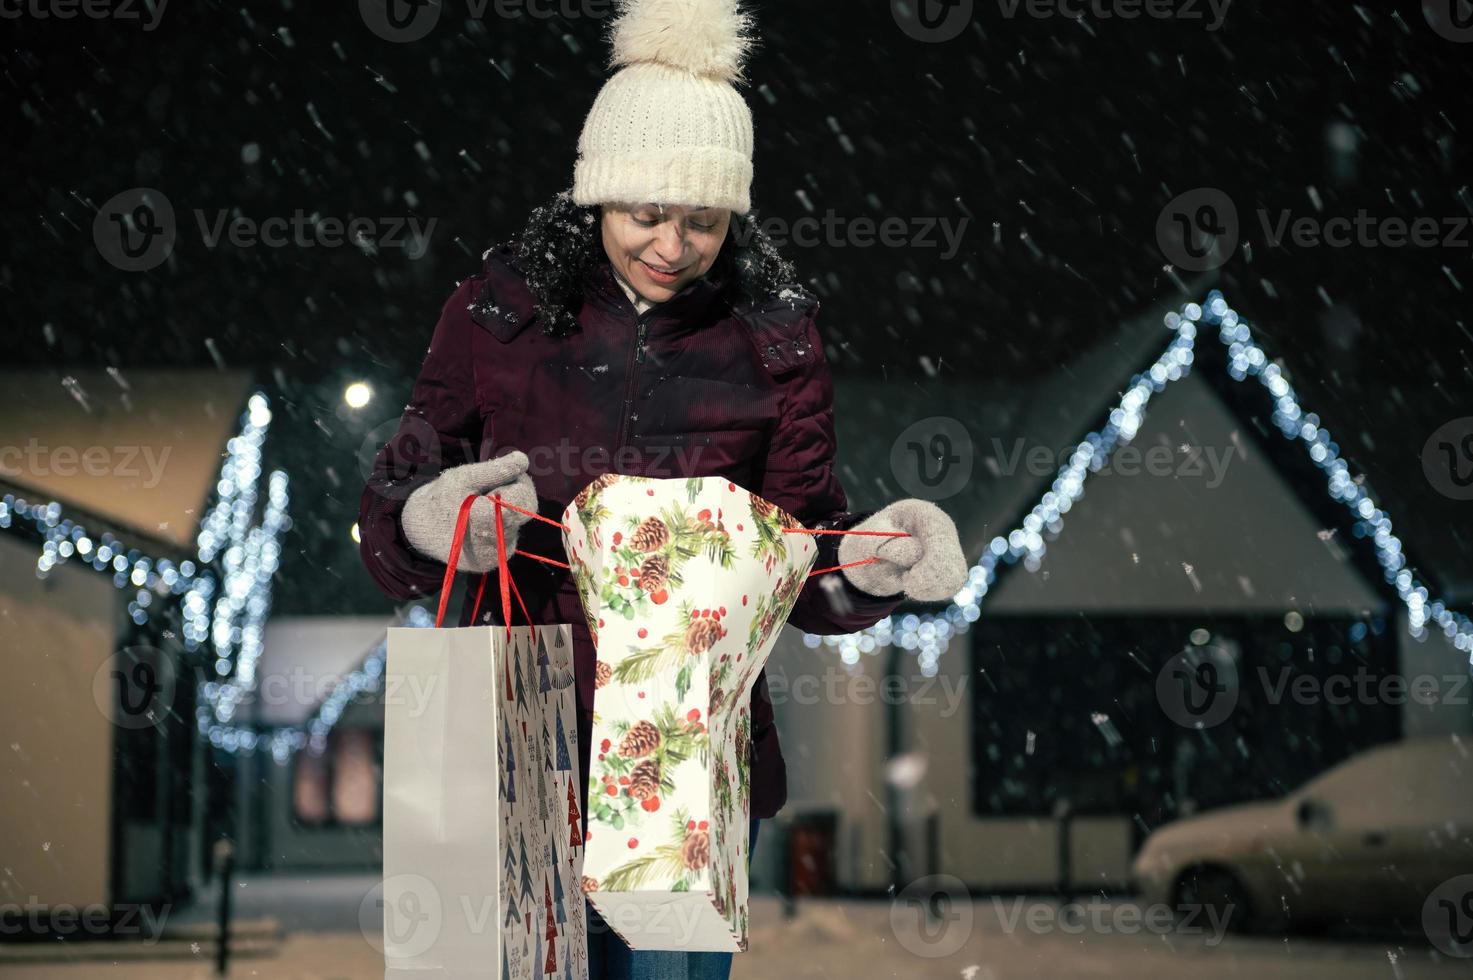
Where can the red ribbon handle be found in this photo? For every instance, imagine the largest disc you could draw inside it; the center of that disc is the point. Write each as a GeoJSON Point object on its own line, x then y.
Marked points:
{"type": "Point", "coordinates": [508, 587]}
{"type": "Point", "coordinates": [462, 521]}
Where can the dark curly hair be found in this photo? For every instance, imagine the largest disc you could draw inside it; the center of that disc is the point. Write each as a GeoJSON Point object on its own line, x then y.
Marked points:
{"type": "Point", "coordinates": [560, 247]}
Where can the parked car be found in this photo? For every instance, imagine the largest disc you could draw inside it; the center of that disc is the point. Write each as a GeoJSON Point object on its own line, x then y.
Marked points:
{"type": "Point", "coordinates": [1365, 841]}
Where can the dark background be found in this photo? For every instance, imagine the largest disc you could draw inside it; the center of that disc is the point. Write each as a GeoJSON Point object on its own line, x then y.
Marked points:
{"type": "Point", "coordinates": [1073, 135]}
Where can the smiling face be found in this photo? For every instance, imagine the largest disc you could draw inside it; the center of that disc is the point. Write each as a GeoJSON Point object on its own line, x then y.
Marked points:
{"type": "Point", "coordinates": [660, 249]}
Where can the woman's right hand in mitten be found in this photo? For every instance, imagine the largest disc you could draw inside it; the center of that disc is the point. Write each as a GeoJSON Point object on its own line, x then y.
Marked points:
{"type": "Point", "coordinates": [430, 513]}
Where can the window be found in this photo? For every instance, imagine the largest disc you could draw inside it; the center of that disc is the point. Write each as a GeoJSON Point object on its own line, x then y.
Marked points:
{"type": "Point", "coordinates": [343, 785]}
{"type": "Point", "coordinates": [1067, 710]}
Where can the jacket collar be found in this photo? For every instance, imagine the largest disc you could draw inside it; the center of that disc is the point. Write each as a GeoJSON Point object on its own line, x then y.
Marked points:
{"type": "Point", "coordinates": [504, 302]}
{"type": "Point", "coordinates": [688, 306]}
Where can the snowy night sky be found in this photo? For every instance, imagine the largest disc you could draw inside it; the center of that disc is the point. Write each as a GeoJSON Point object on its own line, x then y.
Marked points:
{"type": "Point", "coordinates": [1060, 142]}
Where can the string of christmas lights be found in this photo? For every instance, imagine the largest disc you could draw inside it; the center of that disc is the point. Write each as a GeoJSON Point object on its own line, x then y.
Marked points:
{"type": "Point", "coordinates": [248, 555]}
{"type": "Point", "coordinates": [226, 594]}
{"type": "Point", "coordinates": [929, 634]}
{"type": "Point", "coordinates": [365, 679]}
{"type": "Point", "coordinates": [64, 540]}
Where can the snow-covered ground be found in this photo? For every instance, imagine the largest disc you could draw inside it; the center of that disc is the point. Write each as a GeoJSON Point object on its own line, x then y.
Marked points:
{"type": "Point", "coordinates": [992, 939]}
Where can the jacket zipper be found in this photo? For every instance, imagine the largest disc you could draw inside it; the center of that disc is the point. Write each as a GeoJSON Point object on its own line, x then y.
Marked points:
{"type": "Point", "coordinates": [636, 358]}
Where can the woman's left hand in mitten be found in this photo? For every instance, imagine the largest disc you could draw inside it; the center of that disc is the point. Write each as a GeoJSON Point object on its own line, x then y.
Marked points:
{"type": "Point", "coordinates": [927, 566]}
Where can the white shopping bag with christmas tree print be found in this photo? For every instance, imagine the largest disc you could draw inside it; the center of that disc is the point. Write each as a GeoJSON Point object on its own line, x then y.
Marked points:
{"type": "Point", "coordinates": [482, 839]}
{"type": "Point", "coordinates": [686, 584]}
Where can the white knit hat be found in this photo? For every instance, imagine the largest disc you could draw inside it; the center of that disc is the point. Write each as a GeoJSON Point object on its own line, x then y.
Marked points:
{"type": "Point", "coordinates": [669, 127]}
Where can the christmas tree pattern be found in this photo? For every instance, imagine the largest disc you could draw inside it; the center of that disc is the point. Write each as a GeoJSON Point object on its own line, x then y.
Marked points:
{"type": "Point", "coordinates": [544, 662]}
{"type": "Point", "coordinates": [550, 966]}
{"type": "Point", "coordinates": [508, 764]}
{"type": "Point", "coordinates": [540, 935]}
{"type": "Point", "coordinates": [564, 761]}
{"type": "Point", "coordinates": [575, 818]}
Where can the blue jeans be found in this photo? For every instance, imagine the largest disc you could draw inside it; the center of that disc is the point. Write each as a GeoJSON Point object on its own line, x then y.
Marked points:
{"type": "Point", "coordinates": [610, 959]}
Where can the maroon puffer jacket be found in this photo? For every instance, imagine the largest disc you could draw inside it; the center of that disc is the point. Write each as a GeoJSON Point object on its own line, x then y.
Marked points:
{"type": "Point", "coordinates": [692, 387]}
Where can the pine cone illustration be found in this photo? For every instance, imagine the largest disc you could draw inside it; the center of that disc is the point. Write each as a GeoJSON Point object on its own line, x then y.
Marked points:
{"type": "Point", "coordinates": [702, 635]}
{"type": "Point", "coordinates": [651, 535]}
{"type": "Point", "coordinates": [599, 482]}
{"type": "Point", "coordinates": [789, 521]}
{"type": "Point", "coordinates": [762, 508]}
{"type": "Point", "coordinates": [718, 696]}
{"type": "Point", "coordinates": [602, 673]}
{"type": "Point", "coordinates": [741, 743]}
{"type": "Point", "coordinates": [644, 780]}
{"type": "Point", "coordinates": [654, 572]}
{"type": "Point", "coordinates": [719, 900]}
{"type": "Point", "coordinates": [589, 884]}
{"type": "Point", "coordinates": [640, 740]}
{"type": "Point", "coordinates": [788, 588]}
{"type": "Point", "coordinates": [696, 851]}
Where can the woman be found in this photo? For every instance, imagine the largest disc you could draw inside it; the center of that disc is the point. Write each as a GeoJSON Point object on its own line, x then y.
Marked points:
{"type": "Point", "coordinates": [638, 325]}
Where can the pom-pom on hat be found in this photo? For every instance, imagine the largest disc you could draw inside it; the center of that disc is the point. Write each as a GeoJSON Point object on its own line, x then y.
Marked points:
{"type": "Point", "coordinates": [669, 126]}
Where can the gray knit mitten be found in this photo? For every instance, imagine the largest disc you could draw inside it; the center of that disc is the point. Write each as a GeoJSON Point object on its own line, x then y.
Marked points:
{"type": "Point", "coordinates": [927, 566]}
{"type": "Point", "coordinates": [429, 515]}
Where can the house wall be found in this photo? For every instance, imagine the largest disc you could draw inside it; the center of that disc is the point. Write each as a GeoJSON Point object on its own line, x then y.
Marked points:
{"type": "Point", "coordinates": [835, 750]}
{"type": "Point", "coordinates": [56, 634]}
{"type": "Point", "coordinates": [834, 725]}
{"type": "Point", "coordinates": [1223, 536]}
{"type": "Point", "coordinates": [1447, 708]}
{"type": "Point", "coordinates": [143, 455]}
{"type": "Point", "coordinates": [303, 657]}
{"type": "Point", "coordinates": [286, 844]}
